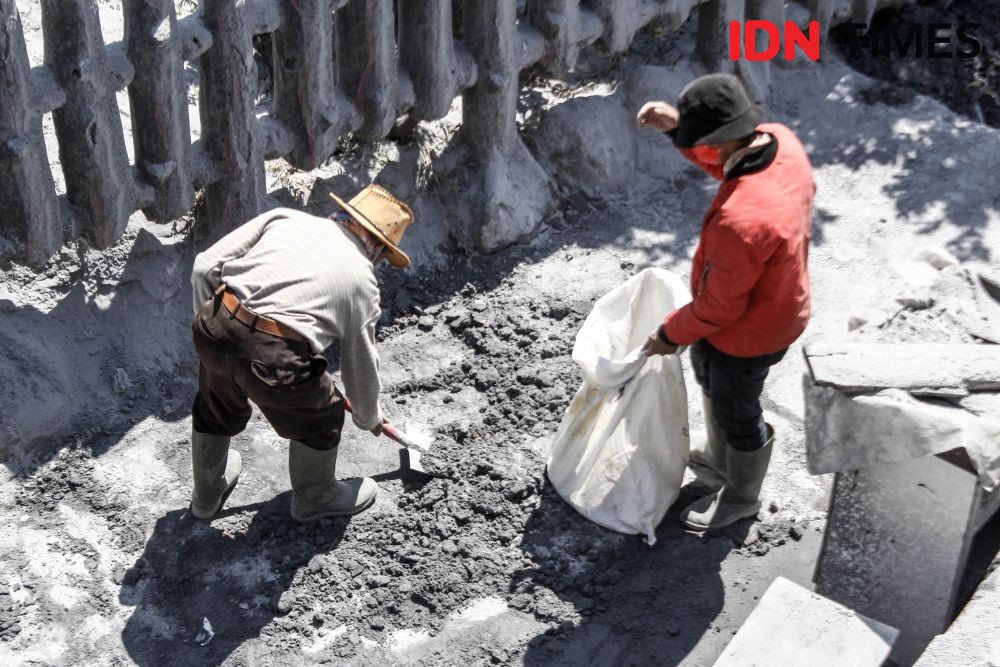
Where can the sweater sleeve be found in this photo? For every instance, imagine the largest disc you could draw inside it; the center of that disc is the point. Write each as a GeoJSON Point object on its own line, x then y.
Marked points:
{"type": "Point", "coordinates": [733, 265]}
{"type": "Point", "coordinates": [359, 363]}
{"type": "Point", "coordinates": [206, 274]}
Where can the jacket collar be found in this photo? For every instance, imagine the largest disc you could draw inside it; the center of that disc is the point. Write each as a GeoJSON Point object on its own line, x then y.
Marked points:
{"type": "Point", "coordinates": [753, 158]}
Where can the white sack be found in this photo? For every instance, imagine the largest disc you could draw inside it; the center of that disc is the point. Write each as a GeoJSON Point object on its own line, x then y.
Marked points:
{"type": "Point", "coordinates": [620, 452]}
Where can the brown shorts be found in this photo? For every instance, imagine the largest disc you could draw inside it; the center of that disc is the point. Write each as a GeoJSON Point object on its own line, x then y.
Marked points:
{"type": "Point", "coordinates": [282, 377]}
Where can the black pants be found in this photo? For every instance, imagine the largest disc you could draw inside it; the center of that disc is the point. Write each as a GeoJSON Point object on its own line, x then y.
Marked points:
{"type": "Point", "coordinates": [734, 384]}
{"type": "Point", "coordinates": [283, 377]}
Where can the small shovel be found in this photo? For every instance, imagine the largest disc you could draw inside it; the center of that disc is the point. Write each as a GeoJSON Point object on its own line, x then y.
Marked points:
{"type": "Point", "coordinates": [415, 446]}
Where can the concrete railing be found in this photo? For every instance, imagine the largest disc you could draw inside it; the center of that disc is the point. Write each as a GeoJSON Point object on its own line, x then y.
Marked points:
{"type": "Point", "coordinates": [338, 69]}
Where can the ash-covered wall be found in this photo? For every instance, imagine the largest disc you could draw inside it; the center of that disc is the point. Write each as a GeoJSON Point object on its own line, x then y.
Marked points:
{"type": "Point", "coordinates": [340, 67]}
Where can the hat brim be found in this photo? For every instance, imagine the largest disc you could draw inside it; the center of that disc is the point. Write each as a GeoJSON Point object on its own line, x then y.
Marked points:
{"type": "Point", "coordinates": [742, 126]}
{"type": "Point", "coordinates": [396, 257]}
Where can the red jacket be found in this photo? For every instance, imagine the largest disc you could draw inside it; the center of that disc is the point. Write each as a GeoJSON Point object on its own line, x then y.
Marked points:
{"type": "Point", "coordinates": [749, 278]}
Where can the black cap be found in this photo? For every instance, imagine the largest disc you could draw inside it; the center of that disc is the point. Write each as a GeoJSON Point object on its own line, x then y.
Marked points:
{"type": "Point", "coordinates": [714, 109]}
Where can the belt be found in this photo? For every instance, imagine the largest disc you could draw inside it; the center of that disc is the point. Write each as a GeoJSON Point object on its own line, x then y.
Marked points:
{"type": "Point", "coordinates": [251, 319]}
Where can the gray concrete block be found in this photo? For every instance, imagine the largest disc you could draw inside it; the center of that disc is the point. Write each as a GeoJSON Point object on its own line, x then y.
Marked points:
{"type": "Point", "coordinates": [793, 626]}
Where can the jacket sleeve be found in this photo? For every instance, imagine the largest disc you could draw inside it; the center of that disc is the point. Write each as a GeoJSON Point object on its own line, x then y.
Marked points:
{"type": "Point", "coordinates": [359, 366]}
{"type": "Point", "coordinates": [206, 274]}
{"type": "Point", "coordinates": [733, 265]}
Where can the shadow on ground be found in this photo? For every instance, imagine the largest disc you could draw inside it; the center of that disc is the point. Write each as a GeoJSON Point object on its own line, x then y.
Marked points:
{"type": "Point", "coordinates": [638, 605]}
{"type": "Point", "coordinates": [923, 164]}
{"type": "Point", "coordinates": [193, 576]}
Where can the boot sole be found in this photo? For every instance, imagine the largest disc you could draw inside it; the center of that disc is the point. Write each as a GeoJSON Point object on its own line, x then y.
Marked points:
{"type": "Point", "coordinates": [323, 515]}
{"type": "Point", "coordinates": [222, 501]}
{"type": "Point", "coordinates": [743, 515]}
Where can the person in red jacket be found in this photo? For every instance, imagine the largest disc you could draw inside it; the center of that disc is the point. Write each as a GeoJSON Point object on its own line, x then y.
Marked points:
{"type": "Point", "coordinates": [749, 280]}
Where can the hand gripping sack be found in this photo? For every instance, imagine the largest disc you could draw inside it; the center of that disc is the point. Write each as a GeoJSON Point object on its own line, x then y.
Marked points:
{"type": "Point", "coordinates": [619, 454]}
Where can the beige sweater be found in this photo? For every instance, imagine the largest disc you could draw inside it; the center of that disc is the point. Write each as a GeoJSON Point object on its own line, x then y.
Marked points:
{"type": "Point", "coordinates": [312, 275]}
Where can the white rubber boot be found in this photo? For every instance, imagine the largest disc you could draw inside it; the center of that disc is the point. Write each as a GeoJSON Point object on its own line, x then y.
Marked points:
{"type": "Point", "coordinates": [216, 469]}
{"type": "Point", "coordinates": [708, 447]}
{"type": "Point", "coordinates": [316, 493]}
{"type": "Point", "coordinates": [739, 497]}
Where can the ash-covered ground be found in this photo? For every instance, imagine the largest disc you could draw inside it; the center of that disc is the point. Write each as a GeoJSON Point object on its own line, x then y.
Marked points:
{"type": "Point", "coordinates": [101, 564]}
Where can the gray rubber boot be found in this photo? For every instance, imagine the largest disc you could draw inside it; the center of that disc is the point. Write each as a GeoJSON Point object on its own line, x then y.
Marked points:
{"type": "Point", "coordinates": [316, 493]}
{"type": "Point", "coordinates": [708, 447]}
{"type": "Point", "coordinates": [216, 470]}
{"type": "Point", "coordinates": [739, 497]}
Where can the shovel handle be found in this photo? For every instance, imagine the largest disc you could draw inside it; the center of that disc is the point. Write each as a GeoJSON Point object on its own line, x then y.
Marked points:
{"type": "Point", "coordinates": [391, 432]}
{"type": "Point", "coordinates": [388, 430]}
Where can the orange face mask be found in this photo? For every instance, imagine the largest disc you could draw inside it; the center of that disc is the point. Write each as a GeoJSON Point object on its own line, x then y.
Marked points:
{"type": "Point", "coordinates": [707, 155]}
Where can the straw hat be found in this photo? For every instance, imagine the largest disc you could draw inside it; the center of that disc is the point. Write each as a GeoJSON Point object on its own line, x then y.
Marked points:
{"type": "Point", "coordinates": [381, 213]}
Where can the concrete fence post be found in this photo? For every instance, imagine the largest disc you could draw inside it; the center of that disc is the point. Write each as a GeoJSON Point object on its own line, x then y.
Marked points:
{"type": "Point", "coordinates": [511, 192]}
{"type": "Point", "coordinates": [863, 10]}
{"type": "Point", "coordinates": [366, 63]}
{"type": "Point", "coordinates": [161, 131]}
{"type": "Point", "coordinates": [306, 97]}
{"type": "Point", "coordinates": [231, 138]}
{"type": "Point", "coordinates": [335, 71]}
{"type": "Point", "coordinates": [712, 46]}
{"type": "Point", "coordinates": [622, 19]}
{"type": "Point", "coordinates": [440, 67]}
{"type": "Point", "coordinates": [567, 28]}
{"type": "Point", "coordinates": [31, 213]}
{"type": "Point", "coordinates": [757, 75]}
{"type": "Point", "coordinates": [100, 182]}
{"type": "Point", "coordinates": [824, 11]}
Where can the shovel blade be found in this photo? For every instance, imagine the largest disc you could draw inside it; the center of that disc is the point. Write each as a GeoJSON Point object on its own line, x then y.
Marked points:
{"type": "Point", "coordinates": [419, 436]}
{"type": "Point", "coordinates": [410, 459]}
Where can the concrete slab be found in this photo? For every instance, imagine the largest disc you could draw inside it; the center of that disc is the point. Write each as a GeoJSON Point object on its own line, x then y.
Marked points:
{"type": "Point", "coordinates": [847, 432]}
{"type": "Point", "coordinates": [974, 637]}
{"type": "Point", "coordinates": [793, 626]}
{"type": "Point", "coordinates": [868, 366]}
{"type": "Point", "coordinates": [896, 544]}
